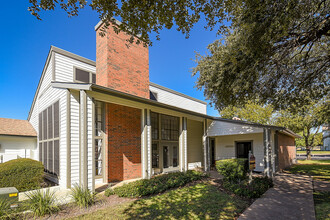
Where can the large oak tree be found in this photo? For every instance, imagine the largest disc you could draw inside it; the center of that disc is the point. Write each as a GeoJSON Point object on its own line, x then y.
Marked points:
{"type": "Point", "coordinates": [273, 51]}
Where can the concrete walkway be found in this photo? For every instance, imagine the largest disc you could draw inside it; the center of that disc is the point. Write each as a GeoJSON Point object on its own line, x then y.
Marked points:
{"type": "Point", "coordinates": [291, 198]}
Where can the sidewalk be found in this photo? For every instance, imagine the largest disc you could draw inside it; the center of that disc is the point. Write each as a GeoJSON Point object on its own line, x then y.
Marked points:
{"type": "Point", "coordinates": [291, 198]}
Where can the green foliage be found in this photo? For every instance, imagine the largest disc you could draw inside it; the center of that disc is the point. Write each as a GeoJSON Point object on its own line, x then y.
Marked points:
{"type": "Point", "coordinates": [233, 170]}
{"type": "Point", "coordinates": [24, 174]}
{"type": "Point", "coordinates": [109, 191]}
{"type": "Point", "coordinates": [4, 207]}
{"type": "Point", "coordinates": [42, 202]}
{"type": "Point", "coordinates": [82, 196]}
{"type": "Point", "coordinates": [276, 52]}
{"type": "Point", "coordinates": [156, 184]}
{"type": "Point", "coordinates": [255, 189]}
{"type": "Point", "coordinates": [251, 111]}
{"type": "Point", "coordinates": [308, 120]}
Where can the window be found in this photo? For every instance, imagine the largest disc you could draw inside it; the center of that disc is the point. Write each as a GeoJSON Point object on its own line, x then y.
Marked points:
{"type": "Point", "coordinates": [155, 156]}
{"type": "Point", "coordinates": [84, 76]}
{"type": "Point", "coordinates": [49, 130]}
{"type": "Point", "coordinates": [153, 95]}
{"type": "Point", "coordinates": [98, 138]}
{"type": "Point", "coordinates": [170, 128]}
{"type": "Point", "coordinates": [154, 125]}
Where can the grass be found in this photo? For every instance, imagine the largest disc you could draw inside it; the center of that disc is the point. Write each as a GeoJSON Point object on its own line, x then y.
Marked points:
{"type": "Point", "coordinates": [316, 169]}
{"type": "Point", "coordinates": [313, 152]}
{"type": "Point", "coordinates": [314, 161]}
{"type": "Point", "coordinates": [322, 205]}
{"type": "Point", "coordinates": [201, 201]}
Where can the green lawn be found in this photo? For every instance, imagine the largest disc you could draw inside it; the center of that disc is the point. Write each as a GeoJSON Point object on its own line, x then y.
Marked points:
{"type": "Point", "coordinates": [202, 201]}
{"type": "Point", "coordinates": [322, 205]}
{"type": "Point", "coordinates": [314, 161]}
{"type": "Point", "coordinates": [313, 152]}
{"type": "Point", "coordinates": [317, 169]}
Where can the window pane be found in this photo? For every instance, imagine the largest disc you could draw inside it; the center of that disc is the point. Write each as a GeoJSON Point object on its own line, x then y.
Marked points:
{"type": "Point", "coordinates": [98, 157]}
{"type": "Point", "coordinates": [56, 157]}
{"type": "Point", "coordinates": [44, 124]}
{"type": "Point", "coordinates": [50, 122]}
{"type": "Point", "coordinates": [40, 152]}
{"type": "Point", "coordinates": [56, 120]}
{"type": "Point", "coordinates": [175, 156]}
{"type": "Point", "coordinates": [40, 126]}
{"type": "Point", "coordinates": [154, 126]}
{"type": "Point", "coordinates": [93, 78]}
{"type": "Point", "coordinates": [44, 161]}
{"type": "Point", "coordinates": [153, 95]}
{"type": "Point", "coordinates": [155, 156]}
{"type": "Point", "coordinates": [82, 76]}
{"type": "Point", "coordinates": [50, 156]}
{"type": "Point", "coordinates": [170, 128]}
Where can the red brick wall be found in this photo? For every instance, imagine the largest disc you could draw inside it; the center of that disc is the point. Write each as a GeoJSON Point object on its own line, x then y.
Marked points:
{"type": "Point", "coordinates": [119, 67]}
{"type": "Point", "coordinates": [286, 151]}
{"type": "Point", "coordinates": [124, 142]}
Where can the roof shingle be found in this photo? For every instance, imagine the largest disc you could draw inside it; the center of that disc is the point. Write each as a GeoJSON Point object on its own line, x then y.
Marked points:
{"type": "Point", "coordinates": [18, 127]}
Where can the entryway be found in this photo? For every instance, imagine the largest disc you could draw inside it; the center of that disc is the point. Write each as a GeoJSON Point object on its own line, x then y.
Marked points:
{"type": "Point", "coordinates": [243, 148]}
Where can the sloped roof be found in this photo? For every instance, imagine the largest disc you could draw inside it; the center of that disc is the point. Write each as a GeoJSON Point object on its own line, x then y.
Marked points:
{"type": "Point", "coordinates": [16, 127]}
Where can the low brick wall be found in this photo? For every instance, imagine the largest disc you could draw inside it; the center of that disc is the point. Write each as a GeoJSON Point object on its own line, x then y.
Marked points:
{"type": "Point", "coordinates": [286, 151]}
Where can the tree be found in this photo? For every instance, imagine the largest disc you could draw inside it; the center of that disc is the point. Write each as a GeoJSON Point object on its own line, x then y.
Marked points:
{"type": "Point", "coordinates": [276, 52]}
{"type": "Point", "coordinates": [307, 120]}
{"type": "Point", "coordinates": [273, 51]}
{"type": "Point", "coordinates": [252, 112]}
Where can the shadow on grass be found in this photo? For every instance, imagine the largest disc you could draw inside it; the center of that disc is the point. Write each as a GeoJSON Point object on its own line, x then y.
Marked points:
{"type": "Point", "coordinates": [202, 201]}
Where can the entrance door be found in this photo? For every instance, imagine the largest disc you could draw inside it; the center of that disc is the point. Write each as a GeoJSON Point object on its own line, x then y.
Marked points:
{"type": "Point", "coordinates": [242, 149]}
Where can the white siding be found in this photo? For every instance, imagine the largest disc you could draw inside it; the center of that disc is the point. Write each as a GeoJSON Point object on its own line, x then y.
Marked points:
{"type": "Point", "coordinates": [195, 143]}
{"type": "Point", "coordinates": [218, 128]}
{"type": "Point", "coordinates": [64, 68]}
{"type": "Point", "coordinates": [14, 147]}
{"type": "Point", "coordinates": [225, 147]}
{"type": "Point", "coordinates": [171, 98]}
{"type": "Point", "coordinates": [75, 143]}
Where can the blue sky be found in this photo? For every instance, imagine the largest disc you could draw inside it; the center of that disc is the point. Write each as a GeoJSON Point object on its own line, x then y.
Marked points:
{"type": "Point", "coordinates": [25, 42]}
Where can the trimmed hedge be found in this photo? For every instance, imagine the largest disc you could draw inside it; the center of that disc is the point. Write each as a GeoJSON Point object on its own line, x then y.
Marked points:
{"type": "Point", "coordinates": [24, 174]}
{"type": "Point", "coordinates": [255, 189]}
{"type": "Point", "coordinates": [233, 170]}
{"type": "Point", "coordinates": [156, 184]}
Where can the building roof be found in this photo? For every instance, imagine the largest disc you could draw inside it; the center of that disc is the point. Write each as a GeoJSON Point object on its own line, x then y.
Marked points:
{"type": "Point", "coordinates": [109, 91]}
{"type": "Point", "coordinates": [16, 127]}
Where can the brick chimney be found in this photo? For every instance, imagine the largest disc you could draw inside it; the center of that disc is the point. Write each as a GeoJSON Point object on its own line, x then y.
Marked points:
{"type": "Point", "coordinates": [119, 67]}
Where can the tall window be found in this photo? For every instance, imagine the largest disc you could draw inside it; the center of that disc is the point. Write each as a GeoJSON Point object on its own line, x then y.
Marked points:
{"type": "Point", "coordinates": [99, 131]}
{"type": "Point", "coordinates": [154, 125]}
{"type": "Point", "coordinates": [170, 128]}
{"type": "Point", "coordinates": [49, 131]}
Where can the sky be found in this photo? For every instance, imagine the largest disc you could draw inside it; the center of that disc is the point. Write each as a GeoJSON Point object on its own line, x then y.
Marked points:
{"type": "Point", "coordinates": [25, 42]}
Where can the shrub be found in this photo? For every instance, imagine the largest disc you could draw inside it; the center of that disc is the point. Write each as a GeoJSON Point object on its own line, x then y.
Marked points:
{"type": "Point", "coordinates": [24, 174]}
{"type": "Point", "coordinates": [255, 189]}
{"type": "Point", "coordinates": [4, 207]}
{"type": "Point", "coordinates": [156, 184]}
{"type": "Point", "coordinates": [42, 202]}
{"type": "Point", "coordinates": [233, 170]}
{"type": "Point", "coordinates": [82, 196]}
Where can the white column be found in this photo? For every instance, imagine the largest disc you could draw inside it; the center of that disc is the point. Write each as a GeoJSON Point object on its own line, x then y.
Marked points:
{"type": "Point", "coordinates": [144, 145]}
{"type": "Point", "coordinates": [148, 142]}
{"type": "Point", "coordinates": [83, 138]}
{"type": "Point", "coordinates": [184, 141]}
{"type": "Point", "coordinates": [205, 146]}
{"type": "Point", "coordinates": [267, 153]}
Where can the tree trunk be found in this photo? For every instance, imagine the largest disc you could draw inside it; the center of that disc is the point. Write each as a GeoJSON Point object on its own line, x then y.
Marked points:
{"type": "Point", "coordinates": [308, 152]}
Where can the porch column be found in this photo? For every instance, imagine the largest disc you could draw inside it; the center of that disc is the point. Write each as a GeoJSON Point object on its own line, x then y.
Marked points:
{"type": "Point", "coordinates": [184, 144]}
{"type": "Point", "coordinates": [205, 147]}
{"type": "Point", "coordinates": [146, 144]}
{"type": "Point", "coordinates": [83, 139]}
{"type": "Point", "coordinates": [267, 153]}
